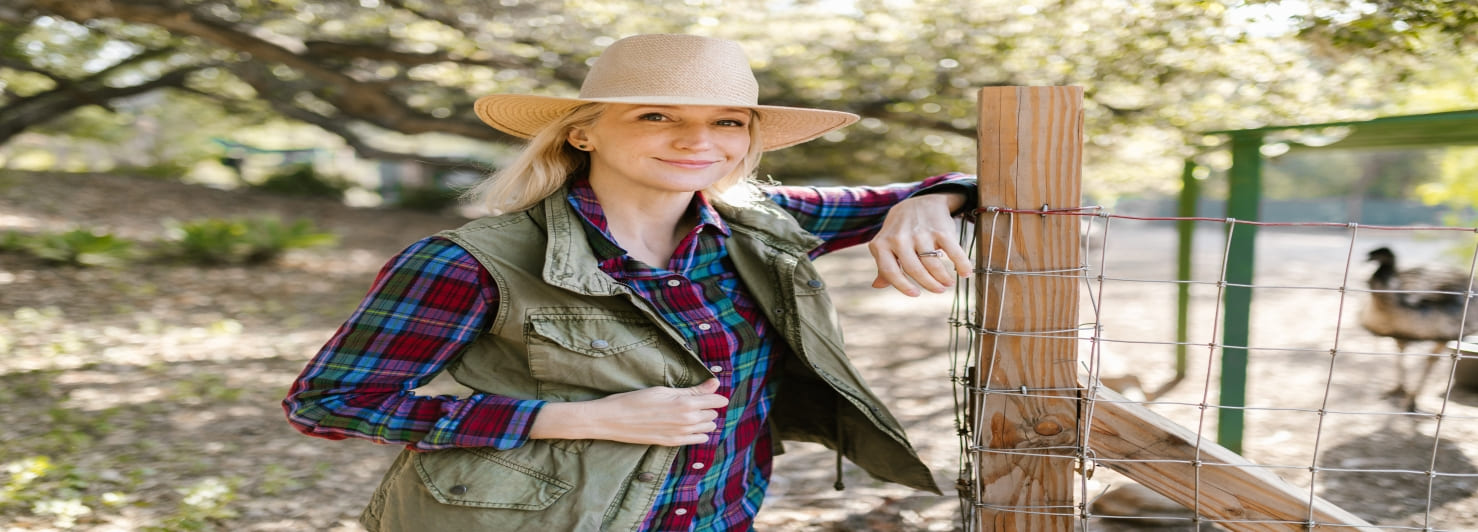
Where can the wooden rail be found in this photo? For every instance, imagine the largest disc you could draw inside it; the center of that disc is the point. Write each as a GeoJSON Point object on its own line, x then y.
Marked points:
{"type": "Point", "coordinates": [1226, 488]}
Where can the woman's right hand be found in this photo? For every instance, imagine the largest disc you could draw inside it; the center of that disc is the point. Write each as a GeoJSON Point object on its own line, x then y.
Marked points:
{"type": "Point", "coordinates": [654, 416]}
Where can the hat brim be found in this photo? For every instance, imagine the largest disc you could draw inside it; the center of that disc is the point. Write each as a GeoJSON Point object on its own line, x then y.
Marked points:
{"type": "Point", "coordinates": [523, 115]}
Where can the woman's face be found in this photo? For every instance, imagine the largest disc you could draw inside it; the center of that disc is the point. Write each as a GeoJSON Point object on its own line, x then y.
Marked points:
{"type": "Point", "coordinates": [664, 149]}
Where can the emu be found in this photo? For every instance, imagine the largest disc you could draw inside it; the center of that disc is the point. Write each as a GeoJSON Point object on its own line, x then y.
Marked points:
{"type": "Point", "coordinates": [1418, 304]}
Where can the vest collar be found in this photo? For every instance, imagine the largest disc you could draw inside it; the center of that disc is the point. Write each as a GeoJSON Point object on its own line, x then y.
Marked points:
{"type": "Point", "coordinates": [570, 262]}
{"type": "Point", "coordinates": [766, 221]}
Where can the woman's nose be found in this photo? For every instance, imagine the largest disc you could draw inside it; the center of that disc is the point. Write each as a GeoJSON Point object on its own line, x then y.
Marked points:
{"type": "Point", "coordinates": [693, 137]}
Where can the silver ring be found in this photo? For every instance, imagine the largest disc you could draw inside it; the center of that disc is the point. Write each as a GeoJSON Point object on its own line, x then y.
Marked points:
{"type": "Point", "coordinates": [932, 253]}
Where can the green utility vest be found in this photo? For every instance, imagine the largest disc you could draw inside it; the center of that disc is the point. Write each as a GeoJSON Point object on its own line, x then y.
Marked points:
{"type": "Point", "coordinates": [566, 331]}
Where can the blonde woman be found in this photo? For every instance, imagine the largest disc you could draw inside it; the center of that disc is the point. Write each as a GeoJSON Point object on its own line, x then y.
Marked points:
{"type": "Point", "coordinates": [640, 321]}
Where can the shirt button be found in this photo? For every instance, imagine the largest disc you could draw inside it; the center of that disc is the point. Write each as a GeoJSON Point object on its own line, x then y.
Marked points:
{"type": "Point", "coordinates": [715, 368]}
{"type": "Point", "coordinates": [681, 511]}
{"type": "Point", "coordinates": [814, 283]}
{"type": "Point", "coordinates": [600, 344]}
{"type": "Point", "coordinates": [704, 326]}
{"type": "Point", "coordinates": [459, 490]}
{"type": "Point", "coordinates": [697, 465]}
{"type": "Point", "coordinates": [674, 282]}
{"type": "Point", "coordinates": [646, 477]}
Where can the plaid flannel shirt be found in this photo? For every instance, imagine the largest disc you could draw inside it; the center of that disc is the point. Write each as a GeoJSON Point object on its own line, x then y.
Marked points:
{"type": "Point", "coordinates": [433, 299]}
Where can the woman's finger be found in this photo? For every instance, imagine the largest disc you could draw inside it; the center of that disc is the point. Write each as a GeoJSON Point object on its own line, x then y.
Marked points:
{"type": "Point", "coordinates": [927, 270]}
{"type": "Point", "coordinates": [959, 259]}
{"type": "Point", "coordinates": [890, 272]}
{"type": "Point", "coordinates": [940, 266]}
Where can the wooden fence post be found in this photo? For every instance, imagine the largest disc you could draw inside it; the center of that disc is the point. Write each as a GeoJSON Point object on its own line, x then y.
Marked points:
{"type": "Point", "coordinates": [1025, 399]}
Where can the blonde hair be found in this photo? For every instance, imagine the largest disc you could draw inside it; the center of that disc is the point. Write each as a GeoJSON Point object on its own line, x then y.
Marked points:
{"type": "Point", "coordinates": [548, 161]}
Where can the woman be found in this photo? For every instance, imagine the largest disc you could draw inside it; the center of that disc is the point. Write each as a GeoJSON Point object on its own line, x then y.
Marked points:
{"type": "Point", "coordinates": [640, 322]}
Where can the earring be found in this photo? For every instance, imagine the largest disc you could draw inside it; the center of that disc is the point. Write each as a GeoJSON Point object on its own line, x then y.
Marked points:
{"type": "Point", "coordinates": [581, 147]}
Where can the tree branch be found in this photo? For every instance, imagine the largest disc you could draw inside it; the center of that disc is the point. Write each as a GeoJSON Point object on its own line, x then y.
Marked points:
{"type": "Point", "coordinates": [49, 105]}
{"type": "Point", "coordinates": [27, 67]}
{"type": "Point", "coordinates": [364, 148]}
{"type": "Point", "coordinates": [370, 102]}
{"type": "Point", "coordinates": [346, 50]}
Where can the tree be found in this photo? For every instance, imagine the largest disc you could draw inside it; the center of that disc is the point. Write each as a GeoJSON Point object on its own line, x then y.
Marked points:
{"type": "Point", "coordinates": [1407, 27]}
{"type": "Point", "coordinates": [1154, 71]}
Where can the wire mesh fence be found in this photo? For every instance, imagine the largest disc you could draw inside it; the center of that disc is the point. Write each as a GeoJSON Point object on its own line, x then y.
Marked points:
{"type": "Point", "coordinates": [1324, 419]}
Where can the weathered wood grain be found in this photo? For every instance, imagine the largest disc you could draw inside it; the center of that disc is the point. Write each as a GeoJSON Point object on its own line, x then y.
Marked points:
{"type": "Point", "coordinates": [1227, 488]}
{"type": "Point", "coordinates": [1030, 154]}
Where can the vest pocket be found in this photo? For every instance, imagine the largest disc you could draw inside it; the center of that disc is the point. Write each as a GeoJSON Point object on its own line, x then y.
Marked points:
{"type": "Point", "coordinates": [578, 356]}
{"type": "Point", "coordinates": [481, 478]}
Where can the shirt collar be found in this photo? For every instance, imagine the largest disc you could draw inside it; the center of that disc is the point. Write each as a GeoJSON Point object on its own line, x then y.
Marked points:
{"type": "Point", "coordinates": [582, 198]}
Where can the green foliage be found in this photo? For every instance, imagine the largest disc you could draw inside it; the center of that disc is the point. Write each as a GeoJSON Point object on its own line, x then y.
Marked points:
{"type": "Point", "coordinates": [73, 430]}
{"type": "Point", "coordinates": [253, 241]}
{"type": "Point", "coordinates": [12, 242]}
{"type": "Point", "coordinates": [47, 487]}
{"type": "Point", "coordinates": [427, 198]}
{"type": "Point", "coordinates": [1154, 74]}
{"type": "Point", "coordinates": [1389, 174]}
{"type": "Point", "coordinates": [302, 180]}
{"type": "Point", "coordinates": [31, 384]}
{"type": "Point", "coordinates": [205, 388]}
{"type": "Point", "coordinates": [277, 479]}
{"type": "Point", "coordinates": [165, 170]}
{"type": "Point", "coordinates": [1395, 25]}
{"type": "Point", "coordinates": [201, 504]}
{"type": "Point", "coordinates": [78, 247]}
{"type": "Point", "coordinates": [23, 474]}
{"type": "Point", "coordinates": [1457, 185]}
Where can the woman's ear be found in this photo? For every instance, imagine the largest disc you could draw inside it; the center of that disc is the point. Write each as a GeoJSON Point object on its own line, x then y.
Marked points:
{"type": "Point", "coordinates": [578, 139]}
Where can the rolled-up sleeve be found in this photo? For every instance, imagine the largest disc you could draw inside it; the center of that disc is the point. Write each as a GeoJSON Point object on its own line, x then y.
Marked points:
{"type": "Point", "coordinates": [425, 307]}
{"type": "Point", "coordinates": [848, 216]}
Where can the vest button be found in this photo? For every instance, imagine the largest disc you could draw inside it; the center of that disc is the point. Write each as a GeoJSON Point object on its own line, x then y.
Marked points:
{"type": "Point", "coordinates": [646, 477]}
{"type": "Point", "coordinates": [459, 490]}
{"type": "Point", "coordinates": [600, 344]}
{"type": "Point", "coordinates": [814, 283]}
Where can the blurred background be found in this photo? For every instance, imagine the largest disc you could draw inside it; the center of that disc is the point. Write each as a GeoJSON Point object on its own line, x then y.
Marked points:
{"type": "Point", "coordinates": [375, 95]}
{"type": "Point", "coordinates": [195, 193]}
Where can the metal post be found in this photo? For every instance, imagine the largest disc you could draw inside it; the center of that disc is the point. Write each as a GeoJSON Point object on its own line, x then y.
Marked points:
{"type": "Point", "coordinates": [1244, 184]}
{"type": "Point", "coordinates": [1190, 192]}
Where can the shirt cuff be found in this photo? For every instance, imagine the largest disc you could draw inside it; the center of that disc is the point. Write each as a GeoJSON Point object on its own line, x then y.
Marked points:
{"type": "Point", "coordinates": [960, 183]}
{"type": "Point", "coordinates": [485, 420]}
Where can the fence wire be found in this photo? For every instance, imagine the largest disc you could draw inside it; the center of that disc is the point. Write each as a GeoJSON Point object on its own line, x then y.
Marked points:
{"type": "Point", "coordinates": [1451, 479]}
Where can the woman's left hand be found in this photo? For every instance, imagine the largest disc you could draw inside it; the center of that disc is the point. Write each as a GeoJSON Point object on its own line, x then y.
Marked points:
{"type": "Point", "coordinates": [921, 224]}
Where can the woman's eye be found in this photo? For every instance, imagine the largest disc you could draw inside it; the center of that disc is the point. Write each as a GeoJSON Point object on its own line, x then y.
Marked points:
{"type": "Point", "coordinates": [731, 123]}
{"type": "Point", "coordinates": [654, 117]}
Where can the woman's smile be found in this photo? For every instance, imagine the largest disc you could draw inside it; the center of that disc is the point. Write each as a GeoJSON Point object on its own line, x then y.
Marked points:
{"type": "Point", "coordinates": [689, 163]}
{"type": "Point", "coordinates": [665, 149]}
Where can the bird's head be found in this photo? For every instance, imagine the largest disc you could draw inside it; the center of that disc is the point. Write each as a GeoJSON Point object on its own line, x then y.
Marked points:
{"type": "Point", "coordinates": [1382, 255]}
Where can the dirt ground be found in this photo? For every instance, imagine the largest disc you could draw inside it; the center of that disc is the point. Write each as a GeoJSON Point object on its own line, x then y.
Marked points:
{"type": "Point", "coordinates": [146, 398]}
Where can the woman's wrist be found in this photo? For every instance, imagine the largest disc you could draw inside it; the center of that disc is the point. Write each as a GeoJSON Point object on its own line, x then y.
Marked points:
{"type": "Point", "coordinates": [559, 421]}
{"type": "Point", "coordinates": [952, 201]}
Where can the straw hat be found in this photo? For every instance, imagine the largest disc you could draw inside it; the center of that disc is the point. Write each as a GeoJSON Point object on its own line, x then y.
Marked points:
{"type": "Point", "coordinates": [666, 70]}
